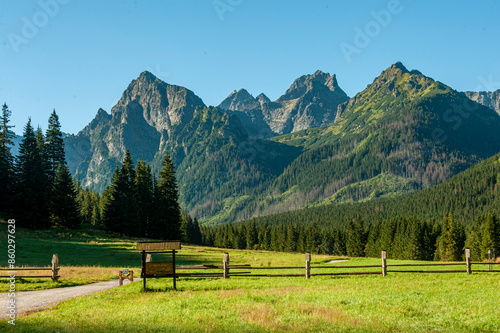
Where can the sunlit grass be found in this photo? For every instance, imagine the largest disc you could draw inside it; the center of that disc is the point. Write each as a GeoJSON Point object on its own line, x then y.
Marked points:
{"type": "Point", "coordinates": [400, 302]}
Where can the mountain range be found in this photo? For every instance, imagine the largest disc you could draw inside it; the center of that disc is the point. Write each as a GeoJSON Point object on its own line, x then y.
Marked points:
{"type": "Point", "coordinates": [314, 145]}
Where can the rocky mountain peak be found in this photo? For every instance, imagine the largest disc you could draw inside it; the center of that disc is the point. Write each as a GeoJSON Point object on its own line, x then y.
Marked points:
{"type": "Point", "coordinates": [147, 76]}
{"type": "Point", "coordinates": [239, 100]}
{"type": "Point", "coordinates": [262, 98]}
{"type": "Point", "coordinates": [306, 83]}
{"type": "Point", "coordinates": [162, 105]}
{"type": "Point", "coordinates": [399, 65]}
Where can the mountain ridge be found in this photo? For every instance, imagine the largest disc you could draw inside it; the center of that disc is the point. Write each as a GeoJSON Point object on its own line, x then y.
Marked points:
{"type": "Point", "coordinates": [402, 133]}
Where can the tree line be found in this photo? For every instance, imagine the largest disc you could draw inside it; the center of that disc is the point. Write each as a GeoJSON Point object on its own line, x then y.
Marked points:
{"type": "Point", "coordinates": [39, 191]}
{"type": "Point", "coordinates": [403, 238]}
{"type": "Point", "coordinates": [37, 187]}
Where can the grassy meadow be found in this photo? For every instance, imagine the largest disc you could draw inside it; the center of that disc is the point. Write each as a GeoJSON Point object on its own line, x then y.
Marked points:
{"type": "Point", "coordinates": [399, 302]}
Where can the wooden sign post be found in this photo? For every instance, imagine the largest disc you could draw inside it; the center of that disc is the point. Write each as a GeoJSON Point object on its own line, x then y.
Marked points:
{"type": "Point", "coordinates": [152, 269]}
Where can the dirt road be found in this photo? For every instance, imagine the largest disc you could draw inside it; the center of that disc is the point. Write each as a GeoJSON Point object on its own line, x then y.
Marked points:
{"type": "Point", "coordinates": [32, 301]}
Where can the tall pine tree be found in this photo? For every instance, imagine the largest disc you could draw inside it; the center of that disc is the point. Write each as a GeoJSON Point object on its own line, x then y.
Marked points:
{"type": "Point", "coordinates": [6, 161]}
{"type": "Point", "coordinates": [64, 208]}
{"type": "Point", "coordinates": [54, 146]}
{"type": "Point", "coordinates": [144, 199]}
{"type": "Point", "coordinates": [120, 213]}
{"type": "Point", "coordinates": [450, 244]}
{"type": "Point", "coordinates": [169, 214]}
{"type": "Point", "coordinates": [32, 205]}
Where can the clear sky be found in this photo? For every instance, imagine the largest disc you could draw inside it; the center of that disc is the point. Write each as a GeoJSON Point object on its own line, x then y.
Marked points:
{"type": "Point", "coordinates": [77, 56]}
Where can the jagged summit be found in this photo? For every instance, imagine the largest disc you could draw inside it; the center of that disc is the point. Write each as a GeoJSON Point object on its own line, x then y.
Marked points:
{"type": "Point", "coordinates": [308, 82]}
{"type": "Point", "coordinates": [399, 65]}
{"type": "Point", "coordinates": [310, 101]}
{"type": "Point", "coordinates": [162, 105]}
{"type": "Point", "coordinates": [147, 75]}
{"type": "Point", "coordinates": [239, 100]}
{"type": "Point", "coordinates": [262, 98]}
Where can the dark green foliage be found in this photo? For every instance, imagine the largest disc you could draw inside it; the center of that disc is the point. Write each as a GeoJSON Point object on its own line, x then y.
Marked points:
{"type": "Point", "coordinates": [355, 242]}
{"type": "Point", "coordinates": [190, 229]}
{"type": "Point", "coordinates": [64, 207]}
{"type": "Point", "coordinates": [490, 233]}
{"type": "Point", "coordinates": [186, 227]}
{"type": "Point", "coordinates": [451, 243]}
{"type": "Point", "coordinates": [120, 214]}
{"type": "Point", "coordinates": [405, 238]}
{"type": "Point", "coordinates": [90, 209]}
{"type": "Point", "coordinates": [169, 212]}
{"type": "Point", "coordinates": [32, 190]}
{"type": "Point", "coordinates": [469, 194]}
{"type": "Point", "coordinates": [144, 200]}
{"type": "Point", "coordinates": [135, 204]}
{"type": "Point", "coordinates": [402, 238]}
{"type": "Point", "coordinates": [6, 161]}
{"type": "Point", "coordinates": [251, 236]}
{"type": "Point", "coordinates": [54, 143]}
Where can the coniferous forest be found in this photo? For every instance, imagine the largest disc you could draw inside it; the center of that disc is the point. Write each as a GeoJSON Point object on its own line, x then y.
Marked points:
{"type": "Point", "coordinates": [39, 191]}
{"type": "Point", "coordinates": [432, 224]}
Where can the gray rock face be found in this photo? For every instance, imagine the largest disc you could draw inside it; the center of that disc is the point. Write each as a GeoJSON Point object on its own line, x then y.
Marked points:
{"type": "Point", "coordinates": [162, 105]}
{"type": "Point", "coordinates": [489, 99]}
{"type": "Point", "coordinates": [141, 121]}
{"type": "Point", "coordinates": [311, 101]}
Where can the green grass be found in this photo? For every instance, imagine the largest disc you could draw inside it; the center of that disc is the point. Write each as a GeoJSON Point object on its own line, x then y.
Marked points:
{"type": "Point", "coordinates": [399, 302]}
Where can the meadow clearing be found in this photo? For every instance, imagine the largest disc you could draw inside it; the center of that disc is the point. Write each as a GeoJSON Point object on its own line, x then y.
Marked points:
{"type": "Point", "coordinates": [408, 302]}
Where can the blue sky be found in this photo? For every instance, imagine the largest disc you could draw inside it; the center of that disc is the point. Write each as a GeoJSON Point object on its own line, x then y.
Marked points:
{"type": "Point", "coordinates": [77, 56]}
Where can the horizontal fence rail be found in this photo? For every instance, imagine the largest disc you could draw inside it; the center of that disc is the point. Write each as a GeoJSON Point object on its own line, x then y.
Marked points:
{"type": "Point", "coordinates": [54, 269]}
{"type": "Point", "coordinates": [227, 270]}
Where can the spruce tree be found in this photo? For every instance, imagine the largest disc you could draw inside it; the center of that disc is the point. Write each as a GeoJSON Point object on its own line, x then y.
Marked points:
{"type": "Point", "coordinates": [196, 233]}
{"type": "Point", "coordinates": [120, 213]}
{"type": "Point", "coordinates": [144, 199]}
{"type": "Point", "coordinates": [167, 202]}
{"type": "Point", "coordinates": [64, 208]}
{"type": "Point", "coordinates": [489, 235]}
{"type": "Point", "coordinates": [355, 243]}
{"type": "Point", "coordinates": [451, 243]}
{"type": "Point", "coordinates": [186, 227]}
{"type": "Point", "coordinates": [251, 235]}
{"type": "Point", "coordinates": [32, 204]}
{"type": "Point", "coordinates": [54, 146]}
{"type": "Point", "coordinates": [6, 161]}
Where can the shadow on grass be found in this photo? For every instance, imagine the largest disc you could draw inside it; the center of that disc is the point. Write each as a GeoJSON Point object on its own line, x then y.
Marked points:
{"type": "Point", "coordinates": [88, 248]}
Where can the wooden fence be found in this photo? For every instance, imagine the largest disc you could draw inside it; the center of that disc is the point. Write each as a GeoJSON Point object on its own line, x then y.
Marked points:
{"type": "Point", "coordinates": [227, 270]}
{"type": "Point", "coordinates": [54, 270]}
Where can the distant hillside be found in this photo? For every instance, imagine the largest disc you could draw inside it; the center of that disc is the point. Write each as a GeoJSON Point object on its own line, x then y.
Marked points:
{"type": "Point", "coordinates": [404, 132]}
{"type": "Point", "coordinates": [468, 194]}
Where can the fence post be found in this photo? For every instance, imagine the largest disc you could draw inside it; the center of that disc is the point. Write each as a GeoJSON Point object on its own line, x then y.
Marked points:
{"type": "Point", "coordinates": [308, 265]}
{"type": "Point", "coordinates": [55, 267]}
{"type": "Point", "coordinates": [384, 263]}
{"type": "Point", "coordinates": [144, 260]}
{"type": "Point", "coordinates": [225, 266]}
{"type": "Point", "coordinates": [467, 261]}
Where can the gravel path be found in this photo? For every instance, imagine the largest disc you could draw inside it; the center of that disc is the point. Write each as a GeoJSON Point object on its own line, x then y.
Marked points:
{"type": "Point", "coordinates": [334, 261]}
{"type": "Point", "coordinates": [33, 301]}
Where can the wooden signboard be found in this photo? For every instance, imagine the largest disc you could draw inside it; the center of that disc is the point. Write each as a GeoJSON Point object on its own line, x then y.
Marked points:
{"type": "Point", "coordinates": [158, 246]}
{"type": "Point", "coordinates": [159, 268]}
